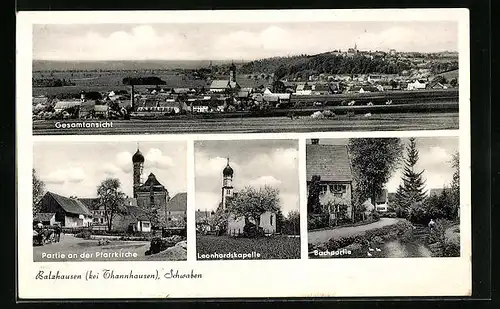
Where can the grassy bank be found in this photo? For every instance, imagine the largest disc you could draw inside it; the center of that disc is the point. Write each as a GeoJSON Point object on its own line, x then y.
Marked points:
{"type": "Point", "coordinates": [273, 247]}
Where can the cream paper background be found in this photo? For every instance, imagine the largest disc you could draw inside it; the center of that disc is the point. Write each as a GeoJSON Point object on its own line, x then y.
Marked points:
{"type": "Point", "coordinates": [270, 278]}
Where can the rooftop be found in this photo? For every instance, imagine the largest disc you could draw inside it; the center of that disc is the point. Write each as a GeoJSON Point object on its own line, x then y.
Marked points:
{"type": "Point", "coordinates": [330, 162]}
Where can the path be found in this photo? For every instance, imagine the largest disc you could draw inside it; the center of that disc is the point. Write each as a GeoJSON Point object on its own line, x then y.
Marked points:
{"type": "Point", "coordinates": [323, 236]}
{"type": "Point", "coordinates": [74, 245]}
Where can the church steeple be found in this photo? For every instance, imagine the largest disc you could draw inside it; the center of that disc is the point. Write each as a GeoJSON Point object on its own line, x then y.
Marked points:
{"type": "Point", "coordinates": [138, 167]}
{"type": "Point", "coordinates": [227, 184]}
{"type": "Point", "coordinates": [232, 73]}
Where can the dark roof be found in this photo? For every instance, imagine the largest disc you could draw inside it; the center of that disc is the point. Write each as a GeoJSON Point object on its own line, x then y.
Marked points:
{"type": "Point", "coordinates": [138, 157]}
{"type": "Point", "coordinates": [219, 84]}
{"type": "Point", "coordinates": [152, 181]}
{"type": "Point", "coordinates": [330, 162]}
{"type": "Point", "coordinates": [90, 202]}
{"type": "Point", "coordinates": [70, 205]}
{"type": "Point", "coordinates": [137, 213]}
{"type": "Point", "coordinates": [43, 216]}
{"type": "Point", "coordinates": [178, 202]}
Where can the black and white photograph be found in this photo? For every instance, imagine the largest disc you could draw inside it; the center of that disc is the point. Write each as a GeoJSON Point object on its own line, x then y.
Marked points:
{"type": "Point", "coordinates": [247, 199]}
{"type": "Point", "coordinates": [383, 197]}
{"type": "Point", "coordinates": [109, 201]}
{"type": "Point", "coordinates": [248, 77]}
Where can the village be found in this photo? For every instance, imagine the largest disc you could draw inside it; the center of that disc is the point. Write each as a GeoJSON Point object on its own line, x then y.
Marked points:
{"type": "Point", "coordinates": [221, 89]}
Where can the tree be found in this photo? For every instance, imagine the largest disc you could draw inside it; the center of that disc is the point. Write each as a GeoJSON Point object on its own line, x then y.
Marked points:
{"type": "Point", "coordinates": [455, 183]}
{"type": "Point", "coordinates": [373, 161]}
{"type": "Point", "coordinates": [251, 203]}
{"type": "Point", "coordinates": [38, 192]}
{"type": "Point", "coordinates": [413, 183]}
{"type": "Point", "coordinates": [313, 205]}
{"type": "Point", "coordinates": [291, 223]}
{"type": "Point", "coordinates": [111, 198]}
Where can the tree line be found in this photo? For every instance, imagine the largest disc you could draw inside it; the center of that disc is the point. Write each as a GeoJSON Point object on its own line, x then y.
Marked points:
{"type": "Point", "coordinates": [303, 66]}
{"type": "Point", "coordinates": [51, 82]}
{"type": "Point", "coordinates": [148, 80]}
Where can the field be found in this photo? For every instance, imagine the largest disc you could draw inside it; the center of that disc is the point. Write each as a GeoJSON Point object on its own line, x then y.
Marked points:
{"type": "Point", "coordinates": [389, 122]}
{"type": "Point", "coordinates": [273, 247]}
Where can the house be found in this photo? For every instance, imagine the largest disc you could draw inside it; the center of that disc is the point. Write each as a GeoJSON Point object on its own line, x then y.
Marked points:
{"type": "Point", "coordinates": [70, 212]}
{"type": "Point", "coordinates": [332, 165]}
{"type": "Point", "coordinates": [321, 89]}
{"type": "Point", "coordinates": [46, 218]}
{"type": "Point", "coordinates": [101, 111]}
{"type": "Point", "coordinates": [200, 107]}
{"type": "Point", "coordinates": [176, 215]}
{"type": "Point", "coordinates": [363, 89]}
{"type": "Point", "coordinates": [64, 105]}
{"type": "Point", "coordinates": [437, 85]}
{"type": "Point", "coordinates": [129, 218]}
{"type": "Point", "coordinates": [226, 85]}
{"type": "Point", "coordinates": [169, 106]}
{"type": "Point", "coordinates": [87, 109]}
{"type": "Point", "coordinates": [382, 201]}
{"type": "Point", "coordinates": [417, 84]}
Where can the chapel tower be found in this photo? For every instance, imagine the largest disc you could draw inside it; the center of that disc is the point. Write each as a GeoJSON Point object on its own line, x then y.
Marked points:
{"type": "Point", "coordinates": [227, 184]}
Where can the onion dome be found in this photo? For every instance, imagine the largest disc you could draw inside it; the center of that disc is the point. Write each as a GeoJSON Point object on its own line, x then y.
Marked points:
{"type": "Point", "coordinates": [228, 171]}
{"type": "Point", "coordinates": [138, 157]}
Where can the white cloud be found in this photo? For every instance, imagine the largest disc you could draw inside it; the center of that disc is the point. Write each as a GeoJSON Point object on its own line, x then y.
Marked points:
{"type": "Point", "coordinates": [124, 161]}
{"type": "Point", "coordinates": [60, 176]}
{"type": "Point", "coordinates": [207, 200]}
{"type": "Point", "coordinates": [235, 41]}
{"type": "Point", "coordinates": [437, 155]}
{"type": "Point", "coordinates": [155, 158]}
{"type": "Point", "coordinates": [265, 180]}
{"type": "Point", "coordinates": [111, 169]}
{"type": "Point", "coordinates": [205, 166]}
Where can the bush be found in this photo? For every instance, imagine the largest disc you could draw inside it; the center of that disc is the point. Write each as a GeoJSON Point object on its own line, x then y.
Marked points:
{"type": "Point", "coordinates": [451, 249]}
{"type": "Point", "coordinates": [84, 234]}
{"type": "Point", "coordinates": [376, 215]}
{"type": "Point", "coordinates": [251, 230]}
{"type": "Point", "coordinates": [317, 221]}
{"type": "Point", "coordinates": [160, 244]}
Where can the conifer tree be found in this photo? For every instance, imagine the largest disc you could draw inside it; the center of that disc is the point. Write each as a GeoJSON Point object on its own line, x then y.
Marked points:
{"type": "Point", "coordinates": [413, 182]}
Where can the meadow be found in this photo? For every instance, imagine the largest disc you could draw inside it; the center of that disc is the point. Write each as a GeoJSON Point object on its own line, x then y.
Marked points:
{"type": "Point", "coordinates": [272, 247]}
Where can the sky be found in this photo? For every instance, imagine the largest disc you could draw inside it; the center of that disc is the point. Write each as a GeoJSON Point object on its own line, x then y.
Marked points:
{"type": "Point", "coordinates": [435, 154]}
{"type": "Point", "coordinates": [243, 41]}
{"type": "Point", "coordinates": [255, 163]}
{"type": "Point", "coordinates": [76, 169]}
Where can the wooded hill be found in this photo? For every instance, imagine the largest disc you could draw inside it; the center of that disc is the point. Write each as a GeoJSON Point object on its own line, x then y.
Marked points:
{"type": "Point", "coordinates": [328, 63]}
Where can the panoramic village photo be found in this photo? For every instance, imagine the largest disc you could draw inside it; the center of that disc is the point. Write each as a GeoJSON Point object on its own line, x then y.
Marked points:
{"type": "Point", "coordinates": [244, 77]}
{"type": "Point", "coordinates": [109, 201]}
{"type": "Point", "coordinates": [383, 197]}
{"type": "Point", "coordinates": [247, 200]}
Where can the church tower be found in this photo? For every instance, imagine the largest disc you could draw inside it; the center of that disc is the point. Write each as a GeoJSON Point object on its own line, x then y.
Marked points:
{"type": "Point", "coordinates": [227, 184]}
{"type": "Point", "coordinates": [232, 73]}
{"type": "Point", "coordinates": [138, 163]}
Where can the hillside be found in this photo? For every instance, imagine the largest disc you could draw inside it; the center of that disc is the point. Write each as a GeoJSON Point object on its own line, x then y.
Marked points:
{"type": "Point", "coordinates": [328, 63]}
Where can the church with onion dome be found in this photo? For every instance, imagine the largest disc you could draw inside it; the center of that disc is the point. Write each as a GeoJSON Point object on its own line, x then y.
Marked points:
{"type": "Point", "coordinates": [236, 224]}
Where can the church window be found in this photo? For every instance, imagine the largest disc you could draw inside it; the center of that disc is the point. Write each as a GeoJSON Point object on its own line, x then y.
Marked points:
{"type": "Point", "coordinates": [271, 219]}
{"type": "Point", "coordinates": [323, 189]}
